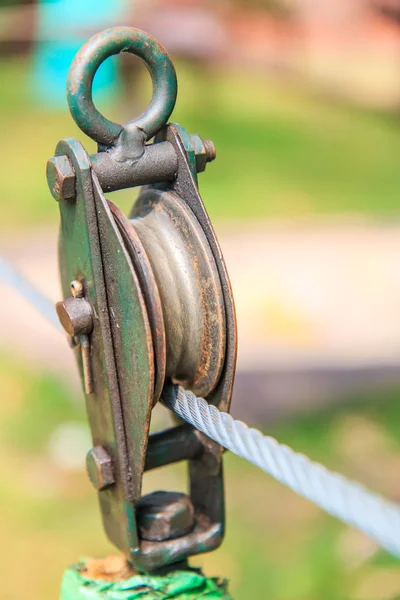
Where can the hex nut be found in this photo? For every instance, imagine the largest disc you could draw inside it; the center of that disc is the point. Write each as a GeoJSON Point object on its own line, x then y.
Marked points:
{"type": "Point", "coordinates": [164, 516]}
{"type": "Point", "coordinates": [100, 469]}
{"type": "Point", "coordinates": [61, 178]}
{"type": "Point", "coordinates": [204, 151]}
{"type": "Point", "coordinates": [75, 316]}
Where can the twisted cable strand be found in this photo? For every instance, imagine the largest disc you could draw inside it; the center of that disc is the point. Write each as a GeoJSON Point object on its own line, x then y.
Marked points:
{"type": "Point", "coordinates": [348, 501]}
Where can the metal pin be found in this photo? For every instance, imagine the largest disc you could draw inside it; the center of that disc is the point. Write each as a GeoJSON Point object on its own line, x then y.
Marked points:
{"type": "Point", "coordinates": [87, 369]}
{"type": "Point", "coordinates": [76, 288]}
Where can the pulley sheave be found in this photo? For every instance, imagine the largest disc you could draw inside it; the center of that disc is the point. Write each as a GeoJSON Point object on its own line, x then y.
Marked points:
{"type": "Point", "coordinates": [181, 287]}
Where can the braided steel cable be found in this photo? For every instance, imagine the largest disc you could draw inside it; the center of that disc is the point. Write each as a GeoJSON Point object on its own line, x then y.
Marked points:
{"type": "Point", "coordinates": [346, 500]}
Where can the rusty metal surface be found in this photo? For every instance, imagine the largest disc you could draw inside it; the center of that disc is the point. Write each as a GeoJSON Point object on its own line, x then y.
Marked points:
{"type": "Point", "coordinates": [150, 292]}
{"type": "Point", "coordinates": [100, 468]}
{"type": "Point", "coordinates": [164, 516]}
{"type": "Point", "coordinates": [206, 494]}
{"type": "Point", "coordinates": [189, 287]}
{"type": "Point", "coordinates": [157, 163]}
{"type": "Point", "coordinates": [80, 79]}
{"type": "Point", "coordinates": [131, 340]}
{"type": "Point", "coordinates": [173, 445]}
{"type": "Point", "coordinates": [150, 302]}
{"type": "Point", "coordinates": [81, 259]}
{"type": "Point", "coordinates": [86, 364]}
{"type": "Point", "coordinates": [185, 186]}
{"type": "Point", "coordinates": [75, 316]}
{"type": "Point", "coordinates": [61, 178]}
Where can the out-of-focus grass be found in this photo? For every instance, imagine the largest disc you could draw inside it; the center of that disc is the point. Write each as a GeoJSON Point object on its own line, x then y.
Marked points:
{"type": "Point", "coordinates": [278, 546]}
{"type": "Point", "coordinates": [281, 152]}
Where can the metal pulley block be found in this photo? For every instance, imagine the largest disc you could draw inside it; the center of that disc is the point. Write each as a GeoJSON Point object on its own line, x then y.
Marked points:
{"type": "Point", "coordinates": [147, 303]}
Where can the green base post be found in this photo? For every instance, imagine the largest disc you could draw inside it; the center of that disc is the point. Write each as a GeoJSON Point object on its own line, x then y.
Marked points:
{"type": "Point", "coordinates": [179, 585]}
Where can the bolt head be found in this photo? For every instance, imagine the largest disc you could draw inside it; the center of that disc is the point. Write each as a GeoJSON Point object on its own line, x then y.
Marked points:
{"type": "Point", "coordinates": [75, 316]}
{"type": "Point", "coordinates": [100, 469]}
{"type": "Point", "coordinates": [164, 516]}
{"type": "Point", "coordinates": [61, 178]}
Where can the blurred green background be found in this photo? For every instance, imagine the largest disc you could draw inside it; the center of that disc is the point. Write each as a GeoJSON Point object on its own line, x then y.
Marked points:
{"type": "Point", "coordinates": [287, 149]}
{"type": "Point", "coordinates": [283, 150]}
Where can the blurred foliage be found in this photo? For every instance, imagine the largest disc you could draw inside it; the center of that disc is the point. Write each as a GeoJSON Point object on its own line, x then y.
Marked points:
{"type": "Point", "coordinates": [281, 152]}
{"type": "Point", "coordinates": [274, 7]}
{"type": "Point", "coordinates": [278, 546]}
{"type": "Point", "coordinates": [5, 3]}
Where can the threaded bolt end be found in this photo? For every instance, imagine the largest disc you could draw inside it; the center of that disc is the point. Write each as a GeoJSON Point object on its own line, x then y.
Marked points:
{"type": "Point", "coordinates": [211, 152]}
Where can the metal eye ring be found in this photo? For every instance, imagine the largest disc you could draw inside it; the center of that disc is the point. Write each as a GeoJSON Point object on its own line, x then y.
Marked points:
{"type": "Point", "coordinates": [84, 67]}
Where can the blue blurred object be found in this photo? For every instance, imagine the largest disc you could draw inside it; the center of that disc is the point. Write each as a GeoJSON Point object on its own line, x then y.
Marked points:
{"type": "Point", "coordinates": [62, 27]}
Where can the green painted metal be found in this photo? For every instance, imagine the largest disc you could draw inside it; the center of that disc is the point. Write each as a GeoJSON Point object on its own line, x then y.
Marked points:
{"type": "Point", "coordinates": [121, 363]}
{"type": "Point", "coordinates": [176, 585]}
{"type": "Point", "coordinates": [83, 69]}
{"type": "Point", "coordinates": [190, 155]}
{"type": "Point", "coordinates": [121, 403]}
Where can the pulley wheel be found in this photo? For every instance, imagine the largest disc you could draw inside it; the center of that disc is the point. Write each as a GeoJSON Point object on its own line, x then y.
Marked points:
{"type": "Point", "coordinates": [189, 288]}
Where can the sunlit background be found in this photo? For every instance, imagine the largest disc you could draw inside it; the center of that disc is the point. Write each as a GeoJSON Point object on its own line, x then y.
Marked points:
{"type": "Point", "coordinates": [302, 100]}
